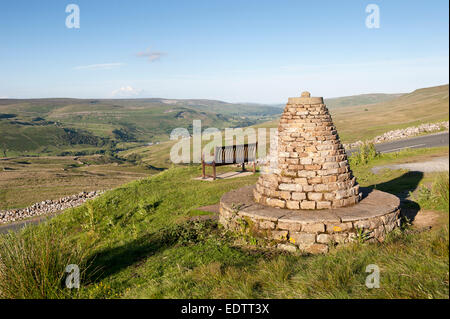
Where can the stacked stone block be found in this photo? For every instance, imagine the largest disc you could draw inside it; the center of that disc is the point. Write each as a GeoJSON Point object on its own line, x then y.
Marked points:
{"type": "Point", "coordinates": [312, 170]}
{"type": "Point", "coordinates": [376, 215]}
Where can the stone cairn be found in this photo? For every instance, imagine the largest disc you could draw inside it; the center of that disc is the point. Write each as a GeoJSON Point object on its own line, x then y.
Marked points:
{"type": "Point", "coordinates": [312, 170]}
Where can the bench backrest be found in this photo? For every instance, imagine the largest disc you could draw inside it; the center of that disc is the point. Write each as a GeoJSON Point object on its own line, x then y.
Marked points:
{"type": "Point", "coordinates": [235, 154]}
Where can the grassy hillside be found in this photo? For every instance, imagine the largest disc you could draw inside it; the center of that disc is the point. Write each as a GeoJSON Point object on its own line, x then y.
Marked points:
{"type": "Point", "coordinates": [139, 241]}
{"type": "Point", "coordinates": [40, 126]}
{"type": "Point", "coordinates": [28, 180]}
{"type": "Point", "coordinates": [421, 106]}
{"type": "Point", "coordinates": [37, 125]}
{"type": "Point", "coordinates": [353, 123]}
{"type": "Point", "coordinates": [361, 99]}
{"type": "Point", "coordinates": [364, 122]}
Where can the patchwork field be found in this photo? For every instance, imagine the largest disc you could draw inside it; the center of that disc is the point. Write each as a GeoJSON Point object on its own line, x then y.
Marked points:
{"type": "Point", "coordinates": [55, 126]}
{"type": "Point", "coordinates": [27, 180]}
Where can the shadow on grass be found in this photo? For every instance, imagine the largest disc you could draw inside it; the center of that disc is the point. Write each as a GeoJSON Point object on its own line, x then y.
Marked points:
{"type": "Point", "coordinates": [112, 260]}
{"type": "Point", "coordinates": [401, 187]}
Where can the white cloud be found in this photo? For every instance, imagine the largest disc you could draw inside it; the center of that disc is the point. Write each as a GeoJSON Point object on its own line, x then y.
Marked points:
{"type": "Point", "coordinates": [103, 66]}
{"type": "Point", "coordinates": [127, 91]}
{"type": "Point", "coordinates": [151, 56]}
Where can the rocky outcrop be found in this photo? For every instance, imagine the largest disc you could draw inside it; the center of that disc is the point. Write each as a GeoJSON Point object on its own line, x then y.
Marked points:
{"type": "Point", "coordinates": [47, 207]}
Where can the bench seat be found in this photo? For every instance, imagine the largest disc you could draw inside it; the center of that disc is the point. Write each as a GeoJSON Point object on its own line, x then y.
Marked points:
{"type": "Point", "coordinates": [228, 155]}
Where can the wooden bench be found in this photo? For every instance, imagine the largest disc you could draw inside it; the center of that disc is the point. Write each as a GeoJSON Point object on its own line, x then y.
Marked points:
{"type": "Point", "coordinates": [228, 155]}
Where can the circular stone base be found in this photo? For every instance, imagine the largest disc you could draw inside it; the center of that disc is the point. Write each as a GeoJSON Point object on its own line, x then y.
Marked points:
{"type": "Point", "coordinates": [312, 231]}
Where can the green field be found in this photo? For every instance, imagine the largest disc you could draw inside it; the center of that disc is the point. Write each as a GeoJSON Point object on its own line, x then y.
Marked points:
{"type": "Point", "coordinates": [28, 180]}
{"type": "Point", "coordinates": [138, 241]}
{"type": "Point", "coordinates": [83, 127]}
{"type": "Point", "coordinates": [40, 126]}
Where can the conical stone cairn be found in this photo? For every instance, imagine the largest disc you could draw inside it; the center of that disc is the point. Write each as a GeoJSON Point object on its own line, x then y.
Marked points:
{"type": "Point", "coordinates": [312, 170]}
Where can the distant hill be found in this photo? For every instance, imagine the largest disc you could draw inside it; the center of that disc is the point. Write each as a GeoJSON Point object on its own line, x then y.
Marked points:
{"type": "Point", "coordinates": [362, 122]}
{"type": "Point", "coordinates": [88, 125]}
{"type": "Point", "coordinates": [30, 126]}
{"type": "Point", "coordinates": [353, 100]}
{"type": "Point", "coordinates": [361, 99]}
{"type": "Point", "coordinates": [425, 105]}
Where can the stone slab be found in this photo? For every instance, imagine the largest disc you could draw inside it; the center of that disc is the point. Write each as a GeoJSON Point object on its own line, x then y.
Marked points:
{"type": "Point", "coordinates": [374, 204]}
{"type": "Point", "coordinates": [311, 231]}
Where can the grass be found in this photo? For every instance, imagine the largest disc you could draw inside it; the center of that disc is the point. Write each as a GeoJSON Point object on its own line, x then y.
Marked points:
{"type": "Point", "coordinates": [140, 243]}
{"type": "Point", "coordinates": [144, 120]}
{"type": "Point", "coordinates": [437, 196]}
{"type": "Point", "coordinates": [27, 180]}
{"type": "Point", "coordinates": [38, 268]}
{"type": "Point", "coordinates": [427, 105]}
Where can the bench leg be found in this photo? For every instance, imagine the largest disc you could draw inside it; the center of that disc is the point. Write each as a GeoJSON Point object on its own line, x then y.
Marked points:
{"type": "Point", "coordinates": [243, 167]}
{"type": "Point", "coordinates": [203, 170]}
{"type": "Point", "coordinates": [214, 172]}
{"type": "Point", "coordinates": [254, 167]}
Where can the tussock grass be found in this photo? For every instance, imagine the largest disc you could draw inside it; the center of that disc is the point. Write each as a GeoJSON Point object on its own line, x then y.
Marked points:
{"type": "Point", "coordinates": [33, 263]}
{"type": "Point", "coordinates": [437, 196]}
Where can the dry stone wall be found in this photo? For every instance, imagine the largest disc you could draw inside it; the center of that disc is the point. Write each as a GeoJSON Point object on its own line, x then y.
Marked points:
{"type": "Point", "coordinates": [47, 207]}
{"type": "Point", "coordinates": [312, 170]}
{"type": "Point", "coordinates": [313, 232]}
{"type": "Point", "coordinates": [402, 133]}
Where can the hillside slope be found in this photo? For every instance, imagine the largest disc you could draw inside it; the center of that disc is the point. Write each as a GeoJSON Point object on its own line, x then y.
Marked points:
{"type": "Point", "coordinates": [40, 125]}
{"type": "Point", "coordinates": [425, 105]}
{"type": "Point", "coordinates": [139, 241]}
{"type": "Point", "coordinates": [362, 122]}
{"type": "Point", "coordinates": [361, 99]}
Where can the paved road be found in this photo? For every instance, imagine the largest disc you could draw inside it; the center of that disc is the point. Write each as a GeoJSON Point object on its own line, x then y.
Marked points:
{"type": "Point", "coordinates": [20, 224]}
{"type": "Point", "coordinates": [432, 140]}
{"type": "Point", "coordinates": [438, 164]}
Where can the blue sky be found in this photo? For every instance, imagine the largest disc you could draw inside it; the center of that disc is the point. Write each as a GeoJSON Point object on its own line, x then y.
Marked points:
{"type": "Point", "coordinates": [238, 51]}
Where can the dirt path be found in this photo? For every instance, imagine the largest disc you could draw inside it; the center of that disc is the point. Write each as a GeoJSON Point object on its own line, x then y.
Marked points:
{"type": "Point", "coordinates": [423, 219]}
{"type": "Point", "coordinates": [438, 164]}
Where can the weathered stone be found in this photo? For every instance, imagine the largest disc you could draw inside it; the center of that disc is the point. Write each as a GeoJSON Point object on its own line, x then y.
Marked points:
{"type": "Point", "coordinates": [323, 205]}
{"type": "Point", "coordinates": [292, 204]}
{"type": "Point", "coordinates": [323, 238]}
{"type": "Point", "coordinates": [302, 239]}
{"type": "Point", "coordinates": [315, 196]}
{"type": "Point", "coordinates": [308, 204]}
{"type": "Point", "coordinates": [338, 227]}
{"type": "Point", "coordinates": [279, 235]}
{"type": "Point", "coordinates": [276, 202]}
{"type": "Point", "coordinates": [291, 226]}
{"type": "Point", "coordinates": [287, 247]}
{"type": "Point", "coordinates": [266, 224]}
{"type": "Point", "coordinates": [309, 151]}
{"type": "Point", "coordinates": [317, 249]}
{"type": "Point", "coordinates": [362, 224]}
{"type": "Point", "coordinates": [311, 189]}
{"type": "Point", "coordinates": [298, 196]}
{"type": "Point", "coordinates": [339, 238]}
{"type": "Point", "coordinates": [314, 228]}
